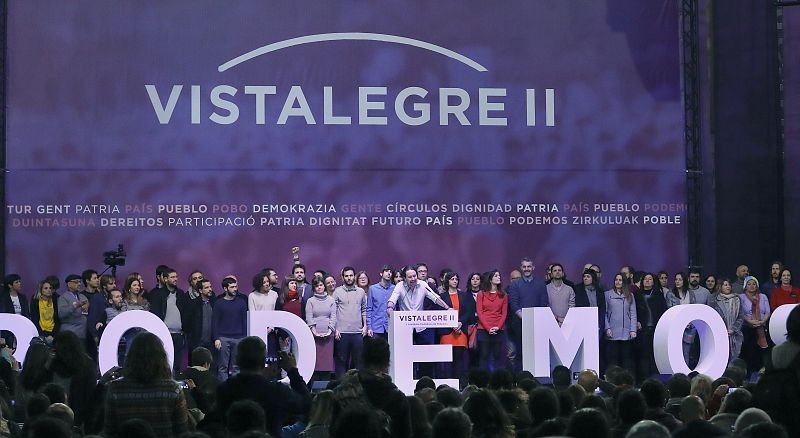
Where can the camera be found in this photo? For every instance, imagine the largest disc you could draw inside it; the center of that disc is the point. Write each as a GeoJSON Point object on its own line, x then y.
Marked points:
{"type": "Point", "coordinates": [115, 257]}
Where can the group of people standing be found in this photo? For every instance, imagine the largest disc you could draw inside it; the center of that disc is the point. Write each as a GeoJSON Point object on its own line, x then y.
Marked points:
{"type": "Point", "coordinates": [488, 334]}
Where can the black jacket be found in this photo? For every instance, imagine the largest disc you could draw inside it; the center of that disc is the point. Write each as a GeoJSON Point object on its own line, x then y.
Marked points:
{"type": "Point", "coordinates": [464, 301]}
{"type": "Point", "coordinates": [657, 306]}
{"type": "Point", "coordinates": [581, 300]}
{"type": "Point", "coordinates": [6, 306]}
{"type": "Point", "coordinates": [195, 319]}
{"type": "Point", "coordinates": [158, 306]}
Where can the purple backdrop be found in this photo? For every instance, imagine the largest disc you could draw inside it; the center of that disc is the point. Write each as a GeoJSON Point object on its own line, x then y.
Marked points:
{"type": "Point", "coordinates": [82, 130]}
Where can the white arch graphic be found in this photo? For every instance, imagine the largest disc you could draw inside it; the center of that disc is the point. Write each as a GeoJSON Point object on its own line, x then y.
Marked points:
{"type": "Point", "coordinates": [344, 36]}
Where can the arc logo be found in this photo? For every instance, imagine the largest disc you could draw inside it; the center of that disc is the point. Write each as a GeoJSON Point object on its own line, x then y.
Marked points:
{"type": "Point", "coordinates": [452, 102]}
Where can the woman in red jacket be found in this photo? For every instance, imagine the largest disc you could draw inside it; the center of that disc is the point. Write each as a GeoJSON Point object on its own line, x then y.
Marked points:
{"type": "Point", "coordinates": [492, 307]}
{"type": "Point", "coordinates": [786, 293]}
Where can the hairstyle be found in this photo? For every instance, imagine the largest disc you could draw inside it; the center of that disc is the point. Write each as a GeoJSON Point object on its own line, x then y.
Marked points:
{"type": "Point", "coordinates": [359, 274]}
{"type": "Point", "coordinates": [679, 385]}
{"type": "Point", "coordinates": [488, 416]}
{"type": "Point", "coordinates": [347, 268]}
{"type": "Point", "coordinates": [37, 405]}
{"type": "Point", "coordinates": [258, 280]}
{"type": "Point", "coordinates": [205, 280]}
{"type": "Point", "coordinates": [716, 283]}
{"type": "Point", "coordinates": [588, 423]}
{"type": "Point", "coordinates": [87, 275]}
{"type": "Point", "coordinates": [656, 286]}
{"type": "Point", "coordinates": [543, 404]}
{"type": "Point", "coordinates": [451, 422]}
{"type": "Point", "coordinates": [70, 357]}
{"type": "Point", "coordinates": [316, 281]}
{"type": "Point", "coordinates": [449, 397]}
{"type": "Point", "coordinates": [469, 280]}
{"type": "Point", "coordinates": [420, 426]}
{"type": "Point", "coordinates": [447, 277]}
{"type": "Point", "coordinates": [36, 372]}
{"type": "Point", "coordinates": [47, 426]}
{"type": "Point", "coordinates": [793, 325]}
{"type": "Point", "coordinates": [356, 421]}
{"type": "Point", "coordinates": [676, 290]}
{"type": "Point", "coordinates": [243, 416]}
{"type": "Point", "coordinates": [160, 270]}
{"type": "Point", "coordinates": [486, 284]}
{"type": "Point", "coordinates": [191, 274]}
{"type": "Point", "coordinates": [478, 377]}
{"type": "Point", "coordinates": [146, 361]}
{"type": "Point", "coordinates": [626, 291]}
{"type": "Point", "coordinates": [424, 382]}
{"type": "Point", "coordinates": [736, 402]}
{"type": "Point", "coordinates": [631, 406]}
{"type": "Point", "coordinates": [299, 265]}
{"type": "Point", "coordinates": [54, 281]}
{"type": "Point", "coordinates": [561, 377]}
{"type": "Point", "coordinates": [105, 280]}
{"type": "Point", "coordinates": [201, 355]}
{"type": "Point", "coordinates": [785, 269]}
{"type": "Point", "coordinates": [54, 392]}
{"type": "Point", "coordinates": [127, 289]}
{"type": "Point", "coordinates": [654, 393]}
{"type": "Point", "coordinates": [408, 268]}
{"type": "Point", "coordinates": [227, 282]}
{"type": "Point", "coordinates": [321, 409]}
{"type": "Point", "coordinates": [419, 265]}
{"type": "Point", "coordinates": [660, 273]}
{"type": "Point", "coordinates": [701, 387]}
{"type": "Point", "coordinates": [283, 296]}
{"type": "Point", "coordinates": [167, 272]}
{"type": "Point", "coordinates": [10, 279]}
{"type": "Point", "coordinates": [38, 294]}
{"type": "Point", "coordinates": [595, 283]}
{"type": "Point", "coordinates": [695, 271]}
{"type": "Point", "coordinates": [525, 259]}
{"type": "Point", "coordinates": [648, 429]}
{"type": "Point", "coordinates": [251, 353]}
{"type": "Point", "coordinates": [375, 353]}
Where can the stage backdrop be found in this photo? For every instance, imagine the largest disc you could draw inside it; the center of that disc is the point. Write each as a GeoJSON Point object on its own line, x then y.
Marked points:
{"type": "Point", "coordinates": [213, 135]}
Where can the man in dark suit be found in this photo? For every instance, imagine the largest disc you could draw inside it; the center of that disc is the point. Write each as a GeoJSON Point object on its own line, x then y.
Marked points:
{"type": "Point", "coordinates": [172, 305]}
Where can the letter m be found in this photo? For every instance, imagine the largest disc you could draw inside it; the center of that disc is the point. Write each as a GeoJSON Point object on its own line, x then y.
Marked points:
{"type": "Point", "coordinates": [546, 345]}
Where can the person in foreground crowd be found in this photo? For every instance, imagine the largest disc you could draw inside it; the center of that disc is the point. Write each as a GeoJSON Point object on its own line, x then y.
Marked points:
{"type": "Point", "coordinates": [147, 391]}
{"type": "Point", "coordinates": [256, 383]}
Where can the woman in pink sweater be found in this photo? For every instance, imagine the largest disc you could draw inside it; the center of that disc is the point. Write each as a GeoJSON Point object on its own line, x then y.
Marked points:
{"type": "Point", "coordinates": [492, 307]}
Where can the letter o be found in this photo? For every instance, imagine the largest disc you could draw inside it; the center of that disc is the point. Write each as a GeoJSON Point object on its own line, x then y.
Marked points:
{"type": "Point", "coordinates": [23, 329]}
{"type": "Point", "coordinates": [107, 351]}
{"type": "Point", "coordinates": [668, 340]}
{"type": "Point", "coordinates": [777, 323]}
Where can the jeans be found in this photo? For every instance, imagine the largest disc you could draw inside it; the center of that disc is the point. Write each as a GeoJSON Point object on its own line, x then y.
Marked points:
{"type": "Point", "coordinates": [227, 352]}
{"type": "Point", "coordinates": [347, 352]}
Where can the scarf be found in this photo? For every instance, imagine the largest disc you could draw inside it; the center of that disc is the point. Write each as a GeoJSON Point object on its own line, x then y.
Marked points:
{"type": "Point", "coordinates": [730, 305]}
{"type": "Point", "coordinates": [761, 335]}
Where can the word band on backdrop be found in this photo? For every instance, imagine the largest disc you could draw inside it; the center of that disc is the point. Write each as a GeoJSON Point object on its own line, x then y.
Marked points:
{"type": "Point", "coordinates": [574, 343]}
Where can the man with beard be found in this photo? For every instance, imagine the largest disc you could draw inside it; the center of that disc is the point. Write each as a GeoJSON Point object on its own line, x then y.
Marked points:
{"type": "Point", "coordinates": [351, 322]}
{"type": "Point", "coordinates": [522, 293]}
{"type": "Point", "coordinates": [229, 326]}
{"type": "Point", "coordinates": [701, 294]}
{"type": "Point", "coordinates": [194, 285]}
{"type": "Point", "coordinates": [201, 310]}
{"type": "Point", "coordinates": [560, 296]}
{"type": "Point", "coordinates": [774, 281]}
{"type": "Point", "coordinates": [172, 305]}
{"type": "Point", "coordinates": [742, 272]}
{"type": "Point", "coordinates": [411, 295]}
{"type": "Point", "coordinates": [97, 309]}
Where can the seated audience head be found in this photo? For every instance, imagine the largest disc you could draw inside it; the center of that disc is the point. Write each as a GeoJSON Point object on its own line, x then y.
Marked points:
{"type": "Point", "coordinates": [679, 385]}
{"type": "Point", "coordinates": [488, 416]}
{"type": "Point", "coordinates": [146, 361]}
{"type": "Point", "coordinates": [357, 421]}
{"type": "Point", "coordinates": [631, 406]}
{"type": "Point", "coordinates": [424, 382]}
{"type": "Point", "coordinates": [426, 395]}
{"type": "Point", "coordinates": [793, 326]}
{"type": "Point", "coordinates": [376, 355]}
{"type": "Point", "coordinates": [594, 401]}
{"type": "Point", "coordinates": [62, 412]}
{"type": "Point", "coordinates": [566, 404]}
{"type": "Point", "coordinates": [561, 377]}
{"type": "Point", "coordinates": [321, 409]}
{"type": "Point", "coordinates": [432, 408]}
{"type": "Point", "coordinates": [763, 430]}
{"type": "Point", "coordinates": [749, 417]}
{"type": "Point", "coordinates": [55, 393]}
{"type": "Point", "coordinates": [245, 416]}
{"type": "Point", "coordinates": [48, 427]}
{"type": "Point", "coordinates": [251, 354]}
{"type": "Point", "coordinates": [736, 402]}
{"type": "Point", "coordinates": [588, 423]}
{"type": "Point", "coordinates": [577, 393]}
{"type": "Point", "coordinates": [736, 374]}
{"type": "Point", "coordinates": [451, 423]}
{"type": "Point", "coordinates": [478, 377]}
{"type": "Point", "coordinates": [449, 397]}
{"type": "Point", "coordinates": [692, 408]}
{"type": "Point", "coordinates": [648, 429]}
{"type": "Point", "coordinates": [701, 387]}
{"type": "Point", "coordinates": [655, 393]}
{"type": "Point", "coordinates": [527, 385]}
{"type": "Point", "coordinates": [201, 357]}
{"type": "Point", "coordinates": [37, 405]}
{"type": "Point", "coordinates": [135, 428]}
{"type": "Point", "coordinates": [542, 404]}
{"type": "Point", "coordinates": [501, 379]}
{"type": "Point", "coordinates": [70, 356]}
{"type": "Point", "coordinates": [588, 379]}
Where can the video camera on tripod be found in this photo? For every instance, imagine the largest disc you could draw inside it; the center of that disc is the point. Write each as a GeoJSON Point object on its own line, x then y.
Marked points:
{"type": "Point", "coordinates": [114, 258]}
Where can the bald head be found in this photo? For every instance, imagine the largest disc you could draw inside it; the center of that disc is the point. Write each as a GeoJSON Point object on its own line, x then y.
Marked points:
{"type": "Point", "coordinates": [692, 408]}
{"type": "Point", "coordinates": [588, 380]}
{"type": "Point", "coordinates": [742, 271]}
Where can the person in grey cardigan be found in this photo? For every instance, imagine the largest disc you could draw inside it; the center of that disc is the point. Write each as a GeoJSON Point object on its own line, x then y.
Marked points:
{"type": "Point", "coordinates": [321, 318]}
{"type": "Point", "coordinates": [73, 307]}
{"type": "Point", "coordinates": [620, 324]}
{"type": "Point", "coordinates": [729, 307]}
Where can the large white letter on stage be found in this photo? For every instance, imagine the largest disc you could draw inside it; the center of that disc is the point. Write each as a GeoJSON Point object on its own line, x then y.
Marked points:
{"type": "Point", "coordinates": [777, 323]}
{"type": "Point", "coordinates": [303, 345]}
{"type": "Point", "coordinates": [23, 329]}
{"type": "Point", "coordinates": [546, 345]}
{"type": "Point", "coordinates": [405, 353]}
{"type": "Point", "coordinates": [107, 350]}
{"type": "Point", "coordinates": [668, 340]}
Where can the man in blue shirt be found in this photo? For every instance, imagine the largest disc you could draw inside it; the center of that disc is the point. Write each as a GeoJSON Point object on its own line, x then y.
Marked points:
{"type": "Point", "coordinates": [522, 293]}
{"type": "Point", "coordinates": [377, 297]}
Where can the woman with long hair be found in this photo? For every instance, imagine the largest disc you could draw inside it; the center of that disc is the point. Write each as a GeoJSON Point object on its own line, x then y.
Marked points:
{"type": "Point", "coordinates": [729, 307]}
{"type": "Point", "coordinates": [468, 315]}
{"type": "Point", "coordinates": [620, 324]}
{"type": "Point", "coordinates": [651, 304]}
{"type": "Point", "coordinates": [785, 293]}
{"type": "Point", "coordinates": [457, 337]}
{"type": "Point", "coordinates": [146, 391]}
{"type": "Point", "coordinates": [492, 308]}
{"type": "Point", "coordinates": [321, 414]}
{"type": "Point", "coordinates": [32, 378]}
{"type": "Point", "coordinates": [289, 298]}
{"type": "Point", "coordinates": [133, 293]}
{"type": "Point", "coordinates": [74, 371]}
{"type": "Point", "coordinates": [681, 294]}
{"type": "Point", "coordinates": [321, 319]}
{"type": "Point", "coordinates": [756, 313]}
{"type": "Point", "coordinates": [712, 283]}
{"type": "Point", "coordinates": [362, 280]}
{"type": "Point", "coordinates": [489, 420]}
{"type": "Point", "coordinates": [44, 312]}
{"type": "Point", "coordinates": [330, 284]}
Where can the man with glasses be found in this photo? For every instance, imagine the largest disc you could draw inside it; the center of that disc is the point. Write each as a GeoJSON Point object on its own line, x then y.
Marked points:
{"type": "Point", "coordinates": [73, 307]}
